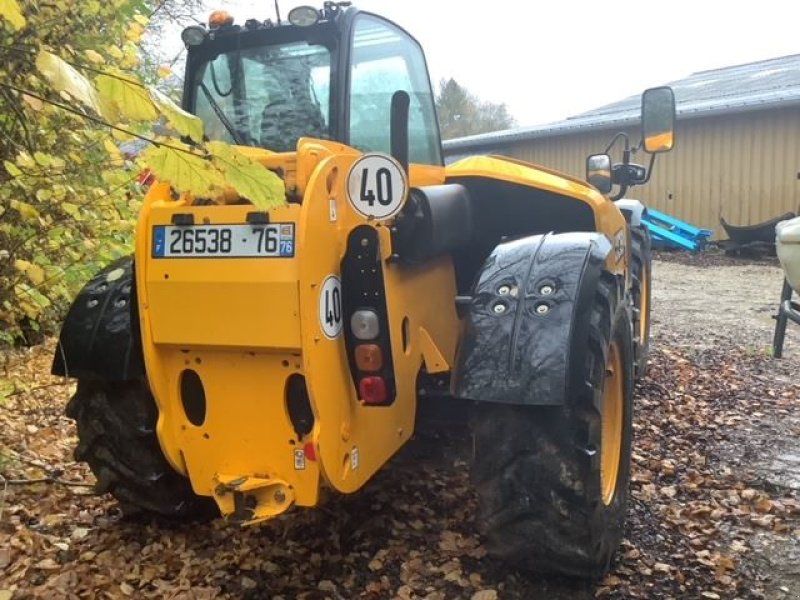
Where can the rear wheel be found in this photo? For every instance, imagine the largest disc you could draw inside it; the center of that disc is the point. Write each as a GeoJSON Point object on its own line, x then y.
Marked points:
{"type": "Point", "coordinates": [552, 481]}
{"type": "Point", "coordinates": [116, 432]}
{"type": "Point", "coordinates": [640, 293]}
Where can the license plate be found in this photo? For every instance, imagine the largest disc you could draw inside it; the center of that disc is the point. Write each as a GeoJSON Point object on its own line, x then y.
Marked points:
{"type": "Point", "coordinates": [275, 240]}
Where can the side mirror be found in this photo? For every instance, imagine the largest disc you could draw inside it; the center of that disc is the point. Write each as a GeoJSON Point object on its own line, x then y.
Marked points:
{"type": "Point", "coordinates": [598, 172]}
{"type": "Point", "coordinates": [658, 119]}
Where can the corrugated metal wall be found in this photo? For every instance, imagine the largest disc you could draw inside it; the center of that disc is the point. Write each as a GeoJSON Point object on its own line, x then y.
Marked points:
{"type": "Point", "coordinates": [745, 167]}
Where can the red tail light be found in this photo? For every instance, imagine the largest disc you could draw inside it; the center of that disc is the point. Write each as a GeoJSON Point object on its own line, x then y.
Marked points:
{"type": "Point", "coordinates": [372, 390]}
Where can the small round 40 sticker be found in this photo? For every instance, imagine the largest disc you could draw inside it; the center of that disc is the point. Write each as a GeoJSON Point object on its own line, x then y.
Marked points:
{"type": "Point", "coordinates": [330, 307]}
{"type": "Point", "coordinates": [377, 186]}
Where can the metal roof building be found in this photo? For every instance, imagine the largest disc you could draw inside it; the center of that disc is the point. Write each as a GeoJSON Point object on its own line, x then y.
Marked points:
{"type": "Point", "coordinates": [737, 152]}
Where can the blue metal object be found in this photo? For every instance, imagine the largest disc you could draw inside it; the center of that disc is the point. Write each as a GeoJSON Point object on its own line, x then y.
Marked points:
{"type": "Point", "coordinates": [668, 232]}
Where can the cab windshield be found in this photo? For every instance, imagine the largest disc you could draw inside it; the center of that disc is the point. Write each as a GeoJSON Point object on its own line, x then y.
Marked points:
{"type": "Point", "coordinates": [267, 96]}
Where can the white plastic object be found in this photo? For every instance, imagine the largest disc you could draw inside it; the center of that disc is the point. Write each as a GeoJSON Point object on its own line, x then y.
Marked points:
{"type": "Point", "coordinates": [787, 241]}
{"type": "Point", "coordinates": [634, 207]}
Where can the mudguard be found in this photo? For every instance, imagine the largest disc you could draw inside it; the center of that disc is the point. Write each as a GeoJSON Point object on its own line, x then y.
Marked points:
{"type": "Point", "coordinates": [100, 336]}
{"type": "Point", "coordinates": [527, 319]}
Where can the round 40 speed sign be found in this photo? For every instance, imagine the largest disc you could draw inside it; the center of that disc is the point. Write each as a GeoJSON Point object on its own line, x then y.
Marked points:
{"type": "Point", "coordinates": [377, 186]}
{"type": "Point", "coordinates": [330, 307]}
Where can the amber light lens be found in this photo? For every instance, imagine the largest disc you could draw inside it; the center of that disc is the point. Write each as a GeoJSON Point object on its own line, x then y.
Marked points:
{"type": "Point", "coordinates": [369, 357]}
{"type": "Point", "coordinates": [220, 18]}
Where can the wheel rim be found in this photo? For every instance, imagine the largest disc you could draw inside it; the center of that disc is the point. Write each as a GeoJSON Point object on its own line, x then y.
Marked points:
{"type": "Point", "coordinates": [644, 302]}
{"type": "Point", "coordinates": [611, 434]}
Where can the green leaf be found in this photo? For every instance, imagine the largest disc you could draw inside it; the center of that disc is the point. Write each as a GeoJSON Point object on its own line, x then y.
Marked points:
{"type": "Point", "coordinates": [248, 177]}
{"type": "Point", "coordinates": [129, 97]}
{"type": "Point", "coordinates": [42, 159]}
{"type": "Point", "coordinates": [72, 210]}
{"type": "Point", "coordinates": [185, 170]}
{"type": "Point", "coordinates": [11, 12]}
{"type": "Point", "coordinates": [64, 78]}
{"type": "Point", "coordinates": [184, 123]}
{"type": "Point", "coordinates": [6, 389]}
{"type": "Point", "coordinates": [12, 169]}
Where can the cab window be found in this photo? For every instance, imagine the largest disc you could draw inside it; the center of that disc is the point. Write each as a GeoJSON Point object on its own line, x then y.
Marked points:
{"type": "Point", "coordinates": [384, 60]}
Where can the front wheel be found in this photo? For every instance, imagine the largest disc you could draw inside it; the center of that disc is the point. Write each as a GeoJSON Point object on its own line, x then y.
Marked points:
{"type": "Point", "coordinates": [116, 436]}
{"type": "Point", "coordinates": [552, 481]}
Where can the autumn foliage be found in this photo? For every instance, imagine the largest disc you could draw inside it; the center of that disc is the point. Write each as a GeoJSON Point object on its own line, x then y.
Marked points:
{"type": "Point", "coordinates": [67, 201]}
{"type": "Point", "coordinates": [71, 93]}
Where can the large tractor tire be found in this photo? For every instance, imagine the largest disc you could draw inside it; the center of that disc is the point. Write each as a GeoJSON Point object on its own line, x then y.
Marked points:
{"type": "Point", "coordinates": [116, 431]}
{"type": "Point", "coordinates": [552, 481]}
{"type": "Point", "coordinates": [641, 276]}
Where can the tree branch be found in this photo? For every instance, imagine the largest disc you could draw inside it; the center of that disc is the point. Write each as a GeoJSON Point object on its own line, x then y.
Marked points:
{"type": "Point", "coordinates": [97, 120]}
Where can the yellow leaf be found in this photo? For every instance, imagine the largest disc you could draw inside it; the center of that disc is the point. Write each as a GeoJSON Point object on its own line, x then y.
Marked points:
{"type": "Point", "coordinates": [95, 57]}
{"type": "Point", "coordinates": [164, 71]}
{"type": "Point", "coordinates": [184, 123]}
{"type": "Point", "coordinates": [10, 11]}
{"type": "Point", "coordinates": [35, 273]}
{"type": "Point", "coordinates": [115, 52]}
{"type": "Point", "coordinates": [135, 32]}
{"type": "Point", "coordinates": [130, 62]}
{"type": "Point", "coordinates": [66, 79]}
{"type": "Point", "coordinates": [130, 98]}
{"type": "Point", "coordinates": [91, 7]}
{"type": "Point", "coordinates": [25, 160]}
{"type": "Point", "coordinates": [34, 103]}
{"type": "Point", "coordinates": [22, 265]}
{"type": "Point", "coordinates": [25, 210]}
{"type": "Point", "coordinates": [186, 171]}
{"type": "Point", "coordinates": [112, 149]}
{"type": "Point", "coordinates": [121, 136]}
{"type": "Point", "coordinates": [30, 309]}
{"type": "Point", "coordinates": [141, 19]}
{"type": "Point", "coordinates": [248, 177]}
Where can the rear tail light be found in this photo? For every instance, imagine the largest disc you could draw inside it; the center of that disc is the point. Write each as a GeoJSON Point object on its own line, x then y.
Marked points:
{"type": "Point", "coordinates": [369, 357]}
{"type": "Point", "coordinates": [365, 325]}
{"type": "Point", "coordinates": [373, 390]}
{"type": "Point", "coordinates": [367, 338]}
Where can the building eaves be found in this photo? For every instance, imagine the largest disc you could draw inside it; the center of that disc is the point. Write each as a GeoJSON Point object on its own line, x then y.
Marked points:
{"type": "Point", "coordinates": [773, 83]}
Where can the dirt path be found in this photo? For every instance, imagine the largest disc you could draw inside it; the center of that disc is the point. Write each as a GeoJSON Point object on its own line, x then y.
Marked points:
{"type": "Point", "coordinates": [713, 509]}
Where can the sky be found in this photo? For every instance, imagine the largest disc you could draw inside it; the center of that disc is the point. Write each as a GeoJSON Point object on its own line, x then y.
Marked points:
{"type": "Point", "coordinates": [551, 59]}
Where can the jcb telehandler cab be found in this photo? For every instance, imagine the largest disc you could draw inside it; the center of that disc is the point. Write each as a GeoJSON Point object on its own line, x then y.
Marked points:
{"type": "Point", "coordinates": [242, 361]}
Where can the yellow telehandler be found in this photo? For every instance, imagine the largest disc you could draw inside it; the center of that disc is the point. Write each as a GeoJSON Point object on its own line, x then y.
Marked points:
{"type": "Point", "coordinates": [244, 361]}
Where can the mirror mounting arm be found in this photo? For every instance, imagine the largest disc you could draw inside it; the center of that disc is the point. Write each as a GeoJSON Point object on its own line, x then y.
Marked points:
{"type": "Point", "coordinates": [649, 168]}
{"type": "Point", "coordinates": [613, 141]}
{"type": "Point", "coordinates": [620, 194]}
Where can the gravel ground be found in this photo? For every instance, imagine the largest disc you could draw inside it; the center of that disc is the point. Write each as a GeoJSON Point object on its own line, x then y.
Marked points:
{"type": "Point", "coordinates": [713, 509]}
{"type": "Point", "coordinates": [725, 304]}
